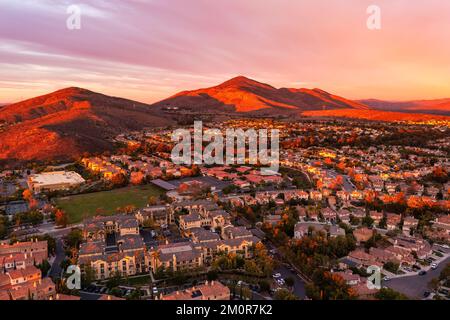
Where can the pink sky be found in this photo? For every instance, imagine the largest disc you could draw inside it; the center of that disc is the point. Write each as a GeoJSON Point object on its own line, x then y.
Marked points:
{"type": "Point", "coordinates": [150, 49]}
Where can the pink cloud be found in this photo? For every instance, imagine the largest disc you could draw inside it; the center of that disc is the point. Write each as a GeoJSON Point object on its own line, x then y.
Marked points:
{"type": "Point", "coordinates": [148, 50]}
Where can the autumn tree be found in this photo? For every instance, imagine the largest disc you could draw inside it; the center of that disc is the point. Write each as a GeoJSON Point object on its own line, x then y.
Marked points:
{"type": "Point", "coordinates": [61, 218]}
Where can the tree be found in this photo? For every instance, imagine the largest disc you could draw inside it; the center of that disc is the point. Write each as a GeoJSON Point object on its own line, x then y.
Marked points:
{"type": "Point", "coordinates": [88, 276]}
{"type": "Point", "coordinates": [61, 218]}
{"type": "Point", "coordinates": [367, 221]}
{"type": "Point", "coordinates": [391, 266]}
{"type": "Point", "coordinates": [290, 281]}
{"type": "Point", "coordinates": [445, 273]}
{"type": "Point", "coordinates": [284, 294]}
{"type": "Point", "coordinates": [152, 200]}
{"type": "Point", "coordinates": [44, 267]}
{"type": "Point", "coordinates": [329, 286]}
{"type": "Point", "coordinates": [212, 275]}
{"type": "Point", "coordinates": [73, 238]}
{"type": "Point", "coordinates": [27, 194]}
{"type": "Point", "coordinates": [137, 178]}
{"type": "Point", "coordinates": [264, 285]}
{"type": "Point", "coordinates": [119, 180]}
{"type": "Point", "coordinates": [114, 281]}
{"type": "Point", "coordinates": [390, 294]}
{"type": "Point", "coordinates": [434, 284]}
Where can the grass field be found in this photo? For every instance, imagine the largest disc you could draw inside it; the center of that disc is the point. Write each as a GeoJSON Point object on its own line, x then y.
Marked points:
{"type": "Point", "coordinates": [86, 205]}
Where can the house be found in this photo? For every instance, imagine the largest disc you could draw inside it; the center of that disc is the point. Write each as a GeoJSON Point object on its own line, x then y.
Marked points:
{"type": "Point", "coordinates": [393, 220]}
{"type": "Point", "coordinates": [213, 290]}
{"type": "Point", "coordinates": [344, 215]}
{"type": "Point", "coordinates": [363, 259]}
{"type": "Point", "coordinates": [359, 213]}
{"type": "Point", "coordinates": [272, 219]}
{"type": "Point", "coordinates": [329, 214]}
{"type": "Point", "coordinates": [349, 278]}
{"type": "Point", "coordinates": [409, 223]}
{"type": "Point", "coordinates": [335, 231]}
{"type": "Point", "coordinates": [315, 195]}
{"type": "Point", "coordinates": [443, 222]}
{"type": "Point", "coordinates": [303, 228]}
{"type": "Point", "coordinates": [382, 255]}
{"type": "Point", "coordinates": [232, 232]}
{"type": "Point", "coordinates": [377, 216]}
{"type": "Point", "coordinates": [363, 234]}
{"type": "Point", "coordinates": [23, 252]}
{"type": "Point", "coordinates": [176, 256]}
{"type": "Point", "coordinates": [160, 215]}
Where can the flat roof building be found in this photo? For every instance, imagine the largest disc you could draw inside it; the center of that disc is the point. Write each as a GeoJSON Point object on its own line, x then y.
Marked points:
{"type": "Point", "coordinates": [53, 181]}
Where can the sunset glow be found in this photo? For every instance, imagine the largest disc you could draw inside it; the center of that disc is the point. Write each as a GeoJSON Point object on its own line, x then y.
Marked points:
{"type": "Point", "coordinates": [148, 50]}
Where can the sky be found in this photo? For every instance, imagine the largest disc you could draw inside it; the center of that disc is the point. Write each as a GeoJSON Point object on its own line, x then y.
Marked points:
{"type": "Point", "coordinates": [148, 50]}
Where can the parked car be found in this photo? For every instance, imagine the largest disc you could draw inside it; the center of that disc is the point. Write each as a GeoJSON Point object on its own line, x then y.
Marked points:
{"type": "Point", "coordinates": [434, 266]}
{"type": "Point", "coordinates": [422, 273]}
{"type": "Point", "coordinates": [426, 294]}
{"type": "Point", "coordinates": [386, 279]}
{"type": "Point", "coordinates": [276, 275]}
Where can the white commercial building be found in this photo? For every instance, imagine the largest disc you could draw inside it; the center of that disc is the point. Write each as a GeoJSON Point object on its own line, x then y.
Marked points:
{"type": "Point", "coordinates": [53, 181]}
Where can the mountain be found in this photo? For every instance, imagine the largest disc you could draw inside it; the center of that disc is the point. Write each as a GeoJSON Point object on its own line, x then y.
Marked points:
{"type": "Point", "coordinates": [437, 106]}
{"type": "Point", "coordinates": [376, 115]}
{"type": "Point", "coordinates": [244, 95]}
{"type": "Point", "coordinates": [66, 123]}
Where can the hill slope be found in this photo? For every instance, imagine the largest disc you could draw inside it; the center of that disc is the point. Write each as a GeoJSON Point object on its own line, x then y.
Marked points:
{"type": "Point", "coordinates": [376, 115]}
{"type": "Point", "coordinates": [242, 94]}
{"type": "Point", "coordinates": [437, 106]}
{"type": "Point", "coordinates": [67, 123]}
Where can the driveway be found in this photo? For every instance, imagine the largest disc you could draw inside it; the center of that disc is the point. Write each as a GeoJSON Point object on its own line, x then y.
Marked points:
{"type": "Point", "coordinates": [415, 286]}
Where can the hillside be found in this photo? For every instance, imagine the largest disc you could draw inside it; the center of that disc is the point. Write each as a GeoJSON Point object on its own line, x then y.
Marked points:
{"type": "Point", "coordinates": [437, 106]}
{"type": "Point", "coordinates": [244, 95]}
{"type": "Point", "coordinates": [66, 123]}
{"type": "Point", "coordinates": [376, 115]}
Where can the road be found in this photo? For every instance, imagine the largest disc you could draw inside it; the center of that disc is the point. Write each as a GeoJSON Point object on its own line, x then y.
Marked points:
{"type": "Point", "coordinates": [55, 271]}
{"type": "Point", "coordinates": [299, 284]}
{"type": "Point", "coordinates": [415, 286]}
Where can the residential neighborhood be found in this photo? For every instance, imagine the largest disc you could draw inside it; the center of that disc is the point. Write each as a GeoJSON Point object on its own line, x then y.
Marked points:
{"type": "Point", "coordinates": [140, 227]}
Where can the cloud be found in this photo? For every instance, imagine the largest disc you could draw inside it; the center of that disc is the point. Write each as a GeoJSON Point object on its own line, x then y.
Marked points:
{"type": "Point", "coordinates": [159, 47]}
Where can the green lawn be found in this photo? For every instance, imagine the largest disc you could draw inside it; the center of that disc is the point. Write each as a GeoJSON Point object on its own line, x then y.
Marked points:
{"type": "Point", "coordinates": [86, 205]}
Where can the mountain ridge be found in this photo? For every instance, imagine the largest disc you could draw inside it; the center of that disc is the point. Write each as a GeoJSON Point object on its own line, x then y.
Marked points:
{"type": "Point", "coordinates": [245, 95]}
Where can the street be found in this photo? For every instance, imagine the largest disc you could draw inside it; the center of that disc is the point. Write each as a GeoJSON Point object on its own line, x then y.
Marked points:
{"type": "Point", "coordinates": [55, 271]}
{"type": "Point", "coordinates": [299, 284]}
{"type": "Point", "coordinates": [415, 286]}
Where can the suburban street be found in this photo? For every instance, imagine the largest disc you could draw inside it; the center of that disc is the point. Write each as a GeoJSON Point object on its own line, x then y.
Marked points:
{"type": "Point", "coordinates": [55, 271]}
{"type": "Point", "coordinates": [299, 284]}
{"type": "Point", "coordinates": [415, 286]}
